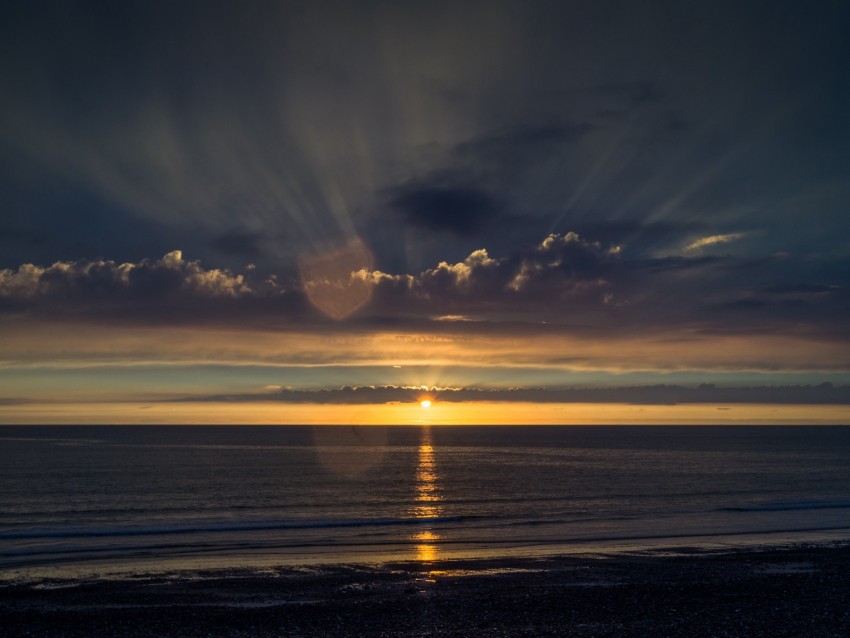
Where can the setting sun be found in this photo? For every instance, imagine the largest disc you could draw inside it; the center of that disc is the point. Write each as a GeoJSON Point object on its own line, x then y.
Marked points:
{"type": "Point", "coordinates": [425, 403]}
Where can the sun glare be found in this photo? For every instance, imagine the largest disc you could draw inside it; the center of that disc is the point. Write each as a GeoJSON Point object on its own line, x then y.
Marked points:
{"type": "Point", "coordinates": [425, 403]}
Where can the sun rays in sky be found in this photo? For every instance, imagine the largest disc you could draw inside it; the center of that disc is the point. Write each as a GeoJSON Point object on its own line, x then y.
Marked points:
{"type": "Point", "coordinates": [513, 211]}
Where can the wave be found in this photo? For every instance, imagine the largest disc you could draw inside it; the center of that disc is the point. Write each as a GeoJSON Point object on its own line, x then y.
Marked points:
{"type": "Point", "coordinates": [566, 521]}
{"type": "Point", "coordinates": [225, 527]}
{"type": "Point", "coordinates": [53, 555]}
{"type": "Point", "coordinates": [54, 441]}
{"type": "Point", "coordinates": [277, 507]}
{"type": "Point", "coordinates": [782, 507]}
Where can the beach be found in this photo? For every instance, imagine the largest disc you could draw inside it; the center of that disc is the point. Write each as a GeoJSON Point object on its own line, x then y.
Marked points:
{"type": "Point", "coordinates": [801, 590]}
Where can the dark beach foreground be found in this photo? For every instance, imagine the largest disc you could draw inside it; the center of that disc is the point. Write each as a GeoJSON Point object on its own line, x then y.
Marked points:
{"type": "Point", "coordinates": [796, 591]}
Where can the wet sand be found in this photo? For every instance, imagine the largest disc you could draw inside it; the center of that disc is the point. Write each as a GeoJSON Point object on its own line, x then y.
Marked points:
{"type": "Point", "coordinates": [796, 591]}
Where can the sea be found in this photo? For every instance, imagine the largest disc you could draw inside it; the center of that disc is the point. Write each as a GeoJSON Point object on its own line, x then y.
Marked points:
{"type": "Point", "coordinates": [113, 500]}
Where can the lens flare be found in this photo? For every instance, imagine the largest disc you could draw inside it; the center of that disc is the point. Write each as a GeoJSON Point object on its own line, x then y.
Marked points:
{"type": "Point", "coordinates": [332, 280]}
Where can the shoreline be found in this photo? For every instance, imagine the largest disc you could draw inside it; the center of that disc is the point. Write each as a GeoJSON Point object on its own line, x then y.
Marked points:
{"type": "Point", "coordinates": [83, 565]}
{"type": "Point", "coordinates": [802, 589]}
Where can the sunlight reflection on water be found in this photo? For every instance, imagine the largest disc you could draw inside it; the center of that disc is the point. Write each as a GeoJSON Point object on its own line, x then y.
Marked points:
{"type": "Point", "coordinates": [427, 503]}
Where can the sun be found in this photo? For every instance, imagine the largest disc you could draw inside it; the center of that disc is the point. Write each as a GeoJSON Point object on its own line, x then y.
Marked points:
{"type": "Point", "coordinates": [425, 403]}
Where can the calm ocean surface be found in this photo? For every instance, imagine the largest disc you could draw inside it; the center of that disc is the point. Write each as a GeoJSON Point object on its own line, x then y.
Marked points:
{"type": "Point", "coordinates": [98, 500]}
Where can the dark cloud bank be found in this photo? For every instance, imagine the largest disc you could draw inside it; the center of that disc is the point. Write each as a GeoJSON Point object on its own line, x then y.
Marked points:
{"type": "Point", "coordinates": [825, 393]}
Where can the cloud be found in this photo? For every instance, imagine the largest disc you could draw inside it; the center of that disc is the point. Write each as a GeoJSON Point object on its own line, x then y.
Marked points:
{"type": "Point", "coordinates": [105, 279]}
{"type": "Point", "coordinates": [824, 393]}
{"type": "Point", "coordinates": [712, 240]}
{"type": "Point", "coordinates": [565, 258]}
{"type": "Point", "coordinates": [561, 269]}
{"type": "Point", "coordinates": [460, 210]}
{"type": "Point", "coordinates": [566, 281]}
{"type": "Point", "coordinates": [469, 193]}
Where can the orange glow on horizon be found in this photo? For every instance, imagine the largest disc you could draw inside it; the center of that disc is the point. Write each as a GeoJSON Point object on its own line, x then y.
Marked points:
{"type": "Point", "coordinates": [443, 413]}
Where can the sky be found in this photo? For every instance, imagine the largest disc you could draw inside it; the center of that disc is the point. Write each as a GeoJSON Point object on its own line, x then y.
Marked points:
{"type": "Point", "coordinates": [525, 212]}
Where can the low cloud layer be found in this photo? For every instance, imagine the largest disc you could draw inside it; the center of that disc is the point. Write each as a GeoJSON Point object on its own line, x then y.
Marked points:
{"type": "Point", "coordinates": [825, 393]}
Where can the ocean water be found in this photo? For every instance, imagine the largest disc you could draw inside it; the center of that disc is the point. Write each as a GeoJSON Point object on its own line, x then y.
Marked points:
{"type": "Point", "coordinates": [102, 500]}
